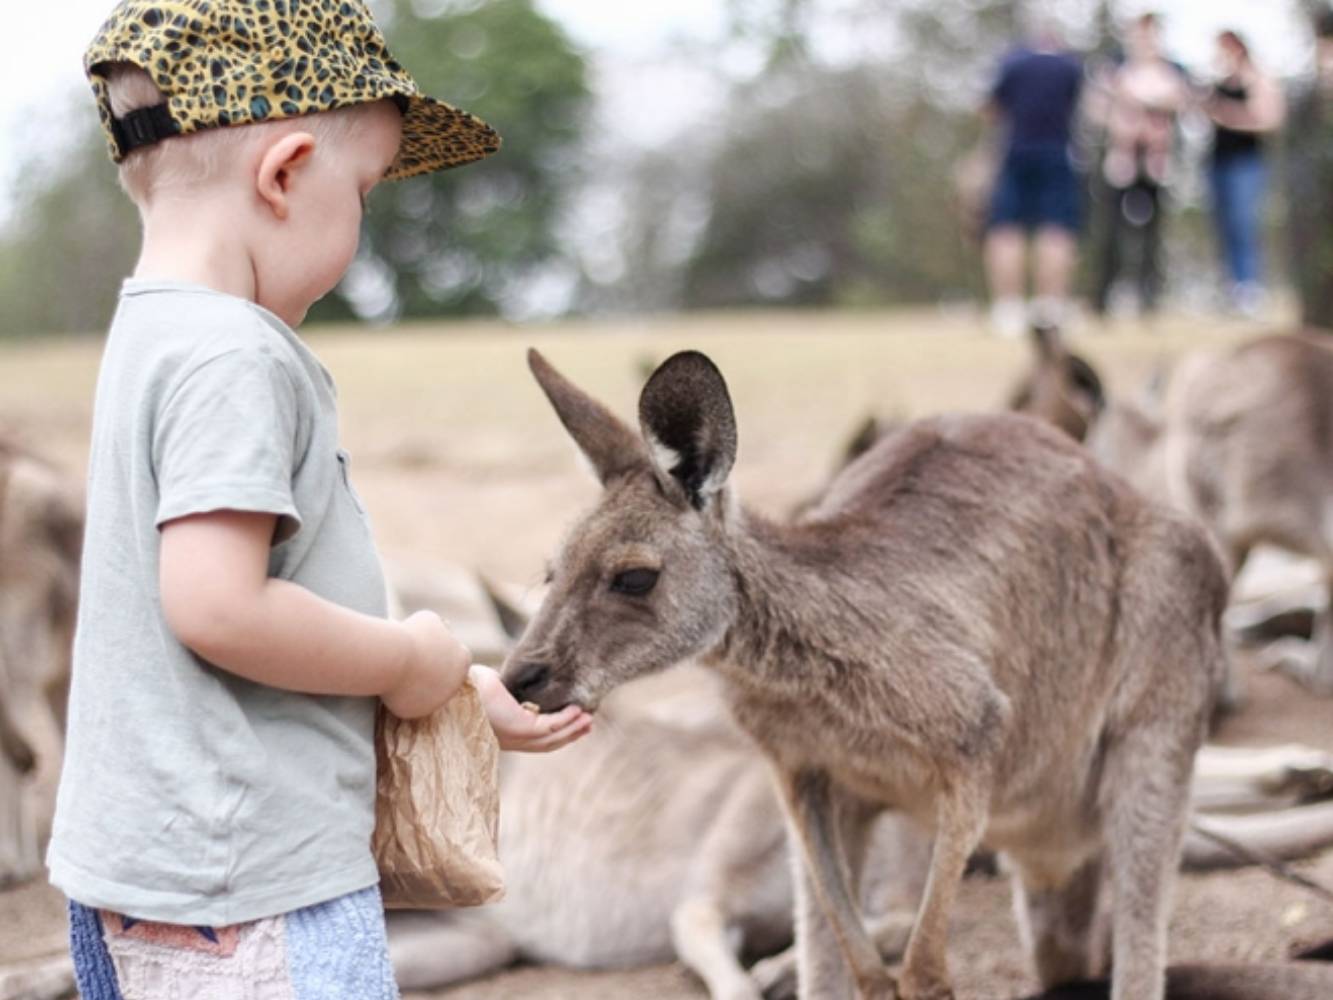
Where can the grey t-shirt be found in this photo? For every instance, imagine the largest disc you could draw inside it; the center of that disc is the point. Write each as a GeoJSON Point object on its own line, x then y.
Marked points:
{"type": "Point", "coordinates": [188, 794]}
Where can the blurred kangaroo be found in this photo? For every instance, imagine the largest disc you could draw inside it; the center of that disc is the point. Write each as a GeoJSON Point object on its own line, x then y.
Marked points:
{"type": "Point", "coordinates": [976, 625]}
{"type": "Point", "coordinates": [659, 837]}
{"type": "Point", "coordinates": [41, 531]}
{"type": "Point", "coordinates": [1243, 442]}
{"type": "Point", "coordinates": [1061, 387]}
{"type": "Point", "coordinates": [618, 853]}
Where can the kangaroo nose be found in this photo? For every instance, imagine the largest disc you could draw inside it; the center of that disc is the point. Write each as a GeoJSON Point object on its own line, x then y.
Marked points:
{"type": "Point", "coordinates": [529, 681]}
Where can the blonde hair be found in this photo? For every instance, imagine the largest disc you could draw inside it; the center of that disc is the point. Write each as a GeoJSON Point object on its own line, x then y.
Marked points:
{"type": "Point", "coordinates": [199, 157]}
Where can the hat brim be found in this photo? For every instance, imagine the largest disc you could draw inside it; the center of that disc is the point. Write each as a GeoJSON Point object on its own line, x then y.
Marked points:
{"type": "Point", "coordinates": [437, 136]}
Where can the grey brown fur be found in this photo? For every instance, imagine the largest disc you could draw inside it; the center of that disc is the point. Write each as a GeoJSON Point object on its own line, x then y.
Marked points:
{"type": "Point", "coordinates": [41, 528]}
{"type": "Point", "coordinates": [1061, 387]}
{"type": "Point", "coordinates": [659, 838]}
{"type": "Point", "coordinates": [1243, 441]}
{"type": "Point", "coordinates": [977, 626]}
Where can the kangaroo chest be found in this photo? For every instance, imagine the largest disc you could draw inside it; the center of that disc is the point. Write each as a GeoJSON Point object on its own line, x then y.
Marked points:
{"type": "Point", "coordinates": [882, 764]}
{"type": "Point", "coordinates": [813, 734]}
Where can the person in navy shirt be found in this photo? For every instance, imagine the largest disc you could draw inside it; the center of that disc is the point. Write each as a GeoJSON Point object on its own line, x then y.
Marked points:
{"type": "Point", "coordinates": [1037, 193]}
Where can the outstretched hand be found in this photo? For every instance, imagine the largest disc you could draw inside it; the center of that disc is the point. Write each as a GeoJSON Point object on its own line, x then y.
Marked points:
{"type": "Point", "coordinates": [518, 729]}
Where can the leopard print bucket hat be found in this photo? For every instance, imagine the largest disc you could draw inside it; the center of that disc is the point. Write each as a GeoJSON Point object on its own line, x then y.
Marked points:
{"type": "Point", "coordinates": [234, 62]}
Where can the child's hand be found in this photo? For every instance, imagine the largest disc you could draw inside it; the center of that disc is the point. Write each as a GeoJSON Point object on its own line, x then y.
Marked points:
{"type": "Point", "coordinates": [518, 729]}
{"type": "Point", "coordinates": [435, 669]}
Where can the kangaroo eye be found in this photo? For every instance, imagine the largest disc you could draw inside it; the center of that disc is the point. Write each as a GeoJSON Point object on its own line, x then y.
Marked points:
{"type": "Point", "coordinates": [635, 582]}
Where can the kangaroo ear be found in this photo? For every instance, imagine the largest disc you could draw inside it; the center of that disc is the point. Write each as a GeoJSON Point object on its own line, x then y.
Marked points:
{"type": "Point", "coordinates": [1086, 383]}
{"type": "Point", "coordinates": [1047, 342]}
{"type": "Point", "coordinates": [607, 442]}
{"type": "Point", "coordinates": [686, 417]}
{"type": "Point", "coordinates": [867, 433]}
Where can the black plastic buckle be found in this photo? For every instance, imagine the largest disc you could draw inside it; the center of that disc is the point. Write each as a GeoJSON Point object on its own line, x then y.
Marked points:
{"type": "Point", "coordinates": [143, 127]}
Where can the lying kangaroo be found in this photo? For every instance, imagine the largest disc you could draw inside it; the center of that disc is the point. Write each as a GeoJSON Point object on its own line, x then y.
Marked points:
{"type": "Point", "coordinates": [977, 625]}
{"type": "Point", "coordinates": [1244, 442]}
{"type": "Point", "coordinates": [677, 851]}
{"type": "Point", "coordinates": [656, 838]}
{"type": "Point", "coordinates": [711, 885]}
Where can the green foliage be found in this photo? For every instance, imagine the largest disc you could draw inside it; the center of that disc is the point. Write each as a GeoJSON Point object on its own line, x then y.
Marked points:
{"type": "Point", "coordinates": [453, 243]}
{"type": "Point", "coordinates": [833, 184]}
{"type": "Point", "coordinates": [463, 241]}
{"type": "Point", "coordinates": [74, 239]}
{"type": "Point", "coordinates": [827, 194]}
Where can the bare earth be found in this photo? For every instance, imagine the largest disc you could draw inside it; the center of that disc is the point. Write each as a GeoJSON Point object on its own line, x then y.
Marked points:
{"type": "Point", "coordinates": [459, 459]}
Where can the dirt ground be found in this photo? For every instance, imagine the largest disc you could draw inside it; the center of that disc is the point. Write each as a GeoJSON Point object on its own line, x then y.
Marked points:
{"type": "Point", "coordinates": [458, 458]}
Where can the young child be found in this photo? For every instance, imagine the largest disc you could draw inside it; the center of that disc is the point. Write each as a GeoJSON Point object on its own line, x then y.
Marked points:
{"type": "Point", "coordinates": [214, 815]}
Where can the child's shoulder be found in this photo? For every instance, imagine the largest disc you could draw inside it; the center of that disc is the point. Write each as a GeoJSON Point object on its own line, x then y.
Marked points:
{"type": "Point", "coordinates": [185, 327]}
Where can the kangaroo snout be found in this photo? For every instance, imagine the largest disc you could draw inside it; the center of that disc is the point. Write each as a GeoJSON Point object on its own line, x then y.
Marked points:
{"type": "Point", "coordinates": [527, 680]}
{"type": "Point", "coordinates": [537, 684]}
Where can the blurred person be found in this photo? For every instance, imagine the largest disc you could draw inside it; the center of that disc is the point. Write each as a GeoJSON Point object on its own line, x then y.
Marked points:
{"type": "Point", "coordinates": [1137, 103]}
{"type": "Point", "coordinates": [1310, 183]}
{"type": "Point", "coordinates": [1037, 194]}
{"type": "Point", "coordinates": [1244, 105]}
{"type": "Point", "coordinates": [213, 821]}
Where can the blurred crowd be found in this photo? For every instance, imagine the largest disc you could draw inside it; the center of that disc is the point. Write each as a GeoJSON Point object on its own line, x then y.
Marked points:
{"type": "Point", "coordinates": [1089, 152]}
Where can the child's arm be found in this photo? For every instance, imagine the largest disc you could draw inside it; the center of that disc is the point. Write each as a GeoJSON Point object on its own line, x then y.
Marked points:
{"type": "Point", "coordinates": [219, 601]}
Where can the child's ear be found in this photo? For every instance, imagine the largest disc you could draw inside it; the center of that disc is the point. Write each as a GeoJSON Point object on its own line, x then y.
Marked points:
{"type": "Point", "coordinates": [281, 160]}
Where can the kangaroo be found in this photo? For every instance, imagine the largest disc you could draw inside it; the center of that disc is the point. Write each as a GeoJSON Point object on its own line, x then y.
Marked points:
{"type": "Point", "coordinates": [656, 838]}
{"type": "Point", "coordinates": [677, 851]}
{"type": "Point", "coordinates": [41, 527]}
{"type": "Point", "coordinates": [711, 885]}
{"type": "Point", "coordinates": [1244, 442]}
{"type": "Point", "coordinates": [1061, 387]}
{"type": "Point", "coordinates": [977, 625]}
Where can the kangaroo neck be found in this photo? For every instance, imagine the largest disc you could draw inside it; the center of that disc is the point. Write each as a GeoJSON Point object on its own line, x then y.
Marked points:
{"type": "Point", "coordinates": [785, 588]}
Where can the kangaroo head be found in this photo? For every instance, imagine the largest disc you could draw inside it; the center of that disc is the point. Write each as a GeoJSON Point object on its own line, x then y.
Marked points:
{"type": "Point", "coordinates": [642, 582]}
{"type": "Point", "coordinates": [1060, 387]}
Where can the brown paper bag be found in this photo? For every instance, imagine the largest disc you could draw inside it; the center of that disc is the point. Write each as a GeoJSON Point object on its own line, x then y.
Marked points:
{"type": "Point", "coordinates": [437, 806]}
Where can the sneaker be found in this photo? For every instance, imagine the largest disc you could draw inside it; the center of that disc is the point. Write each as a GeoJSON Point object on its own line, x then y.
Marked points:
{"type": "Point", "coordinates": [1009, 318]}
{"type": "Point", "coordinates": [1247, 298]}
{"type": "Point", "coordinates": [1049, 311]}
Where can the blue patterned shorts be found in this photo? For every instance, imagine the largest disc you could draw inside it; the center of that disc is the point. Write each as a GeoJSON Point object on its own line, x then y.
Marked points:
{"type": "Point", "coordinates": [331, 951]}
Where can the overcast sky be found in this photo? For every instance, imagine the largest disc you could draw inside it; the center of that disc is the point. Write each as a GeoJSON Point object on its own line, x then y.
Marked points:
{"type": "Point", "coordinates": [41, 77]}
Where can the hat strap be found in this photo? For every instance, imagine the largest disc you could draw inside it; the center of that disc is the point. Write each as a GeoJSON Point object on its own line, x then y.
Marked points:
{"type": "Point", "coordinates": [142, 127]}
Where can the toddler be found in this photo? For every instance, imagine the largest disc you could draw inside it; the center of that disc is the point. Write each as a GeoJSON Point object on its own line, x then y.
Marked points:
{"type": "Point", "coordinates": [215, 808]}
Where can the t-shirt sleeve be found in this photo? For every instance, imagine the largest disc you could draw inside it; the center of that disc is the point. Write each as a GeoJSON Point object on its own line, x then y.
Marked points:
{"type": "Point", "coordinates": [226, 439]}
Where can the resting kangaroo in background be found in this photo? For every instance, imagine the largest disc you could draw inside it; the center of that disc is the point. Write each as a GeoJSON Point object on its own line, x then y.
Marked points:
{"type": "Point", "coordinates": [1244, 442]}
{"type": "Point", "coordinates": [1061, 387]}
{"type": "Point", "coordinates": [41, 531]}
{"type": "Point", "coordinates": [976, 625]}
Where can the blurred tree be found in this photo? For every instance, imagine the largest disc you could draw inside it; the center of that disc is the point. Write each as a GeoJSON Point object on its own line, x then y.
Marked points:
{"type": "Point", "coordinates": [818, 198]}
{"type": "Point", "coordinates": [465, 241]}
{"type": "Point", "coordinates": [468, 241]}
{"type": "Point", "coordinates": [1309, 181]}
{"type": "Point", "coordinates": [829, 181]}
{"type": "Point", "coordinates": [73, 238]}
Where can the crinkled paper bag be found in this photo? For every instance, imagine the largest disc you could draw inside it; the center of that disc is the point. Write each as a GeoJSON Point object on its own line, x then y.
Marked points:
{"type": "Point", "coordinates": [437, 806]}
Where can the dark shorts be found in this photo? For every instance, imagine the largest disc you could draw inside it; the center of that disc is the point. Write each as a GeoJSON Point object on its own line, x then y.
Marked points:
{"type": "Point", "coordinates": [1037, 187]}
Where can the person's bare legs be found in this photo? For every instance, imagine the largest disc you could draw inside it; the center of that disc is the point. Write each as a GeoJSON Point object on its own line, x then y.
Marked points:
{"type": "Point", "coordinates": [1055, 250]}
{"type": "Point", "coordinates": [1004, 254]}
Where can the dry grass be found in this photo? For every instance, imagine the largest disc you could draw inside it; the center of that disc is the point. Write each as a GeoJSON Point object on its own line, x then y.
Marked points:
{"type": "Point", "coordinates": [459, 457]}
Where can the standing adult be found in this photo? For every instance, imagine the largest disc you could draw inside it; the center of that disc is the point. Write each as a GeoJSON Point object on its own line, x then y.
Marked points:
{"type": "Point", "coordinates": [1244, 105]}
{"type": "Point", "coordinates": [1037, 193]}
{"type": "Point", "coordinates": [1310, 187]}
{"type": "Point", "coordinates": [1137, 102]}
